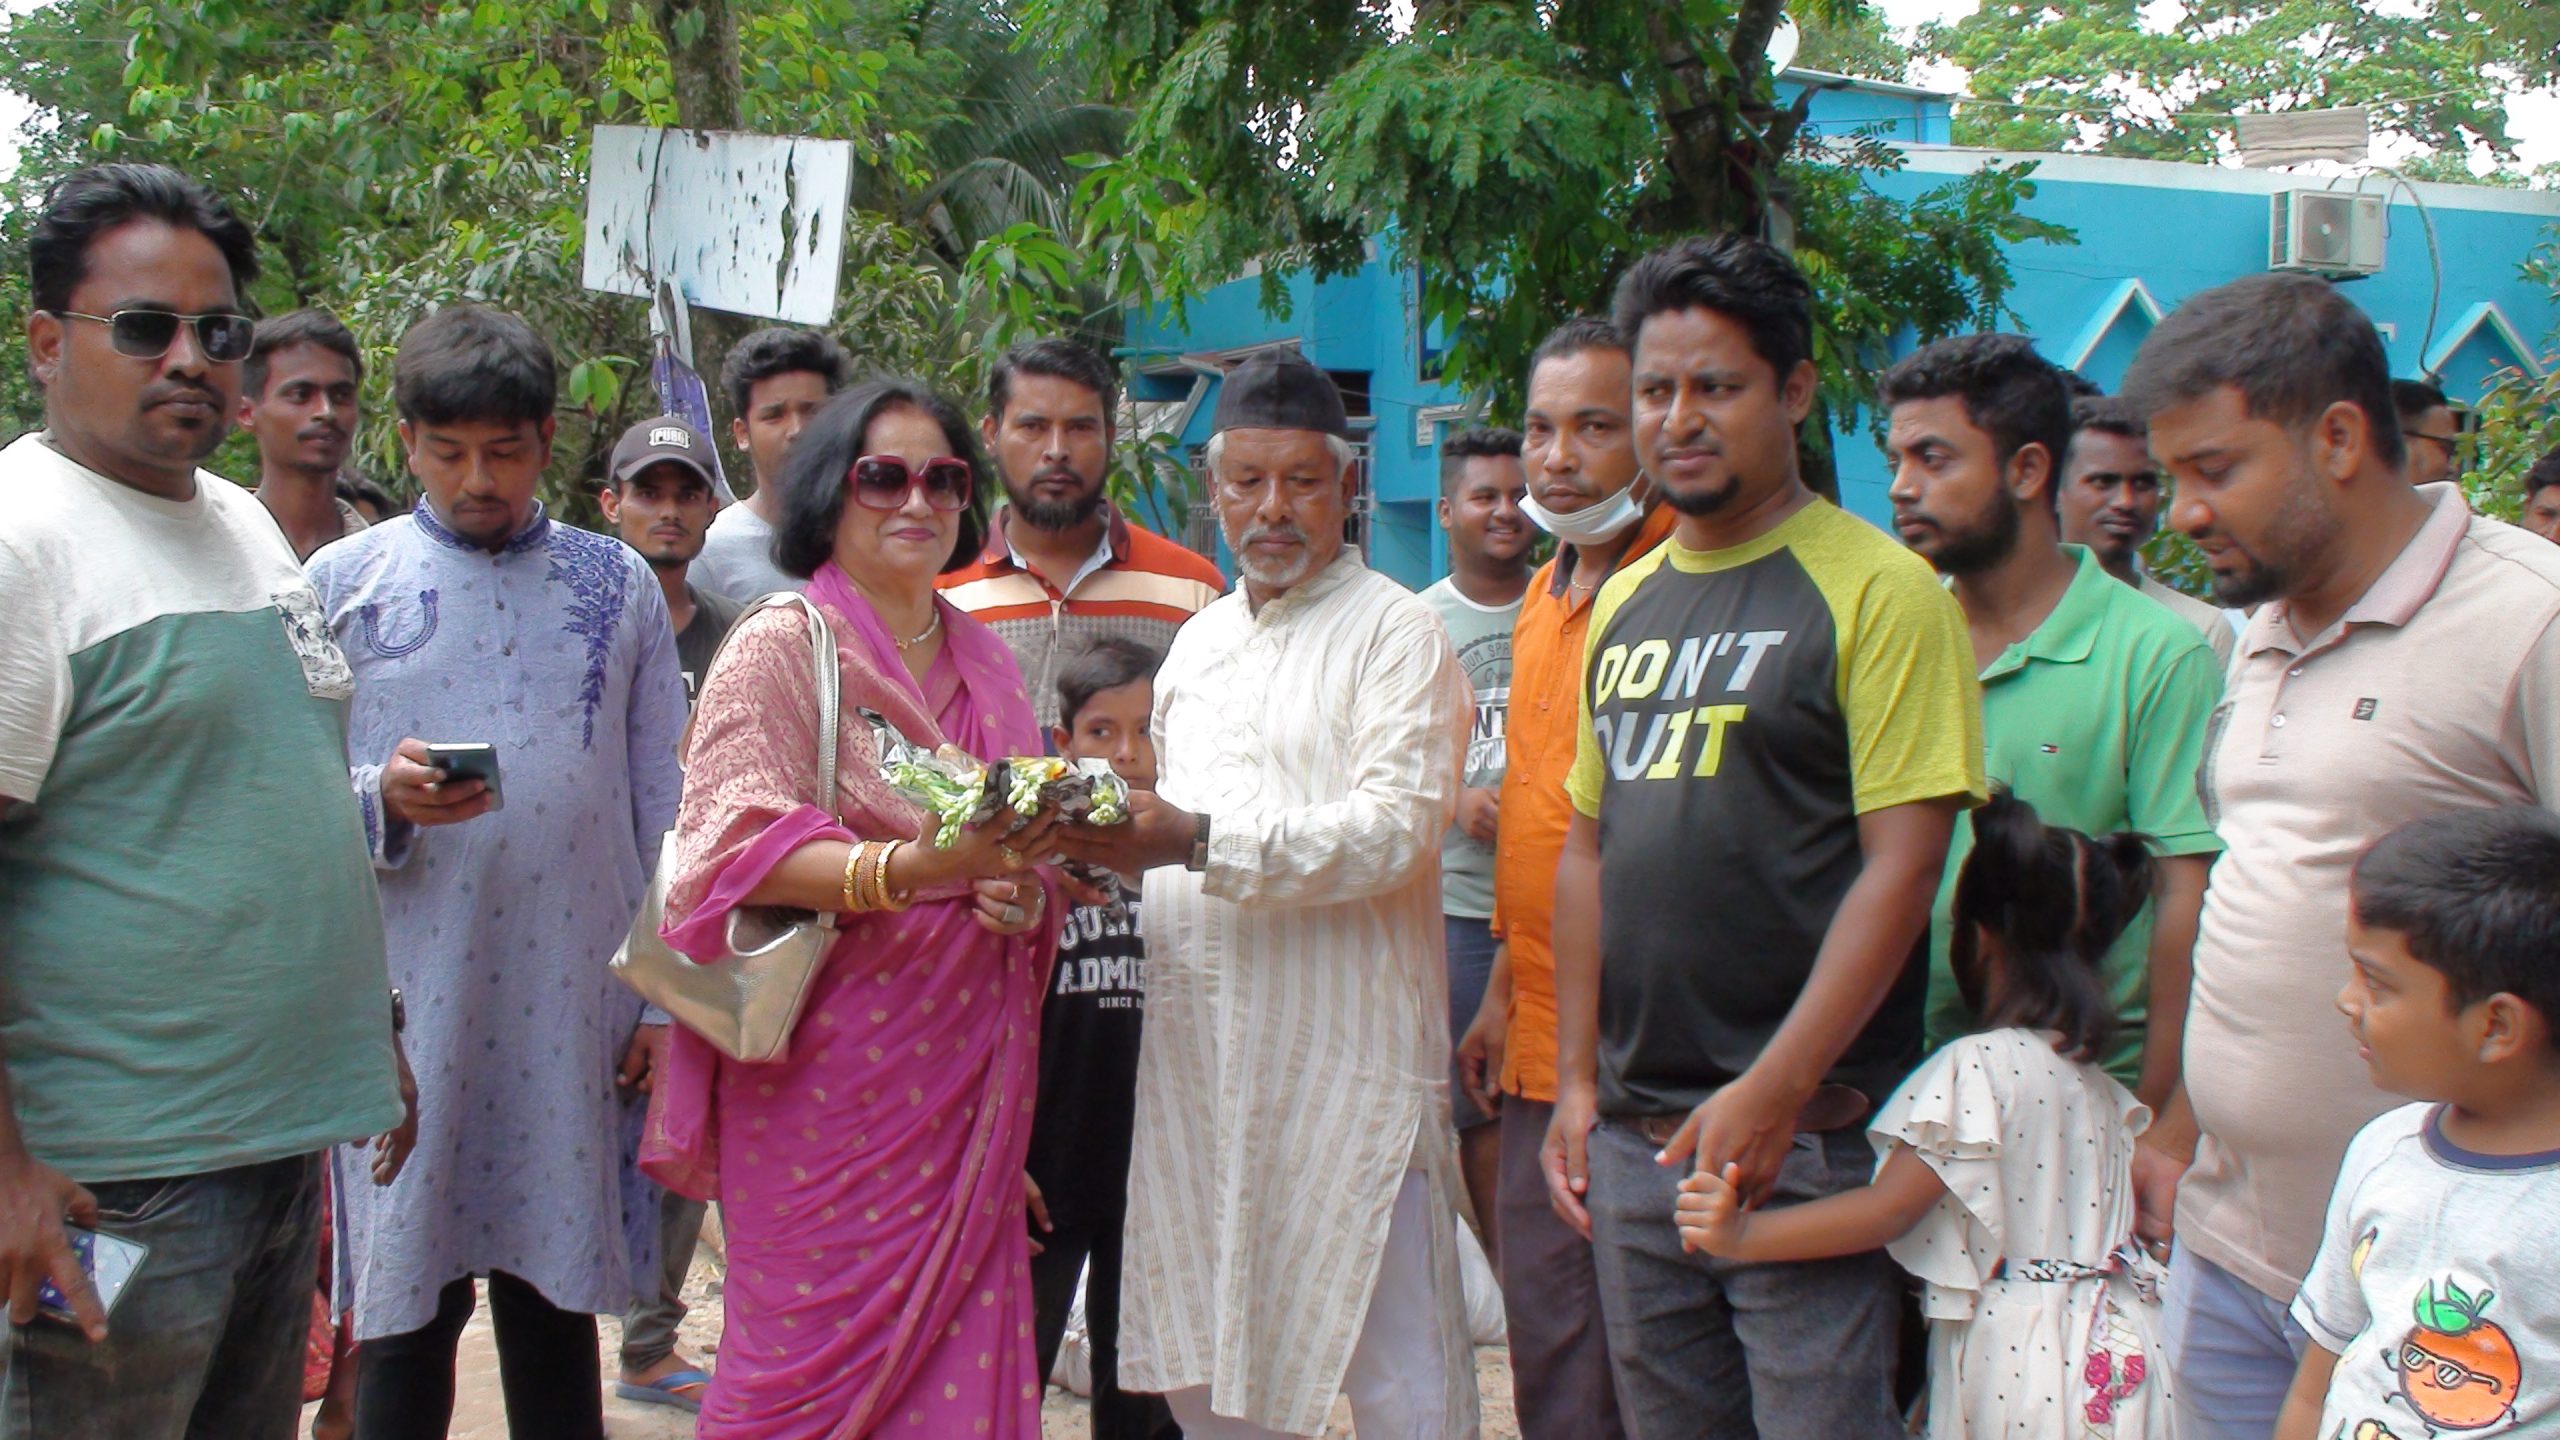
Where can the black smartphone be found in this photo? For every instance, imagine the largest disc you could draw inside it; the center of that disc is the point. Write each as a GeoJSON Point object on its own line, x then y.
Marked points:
{"type": "Point", "coordinates": [469, 762]}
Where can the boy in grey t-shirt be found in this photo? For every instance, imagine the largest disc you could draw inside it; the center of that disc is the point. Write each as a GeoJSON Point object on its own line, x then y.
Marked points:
{"type": "Point", "coordinates": [1481, 486]}
{"type": "Point", "coordinates": [2430, 1307]}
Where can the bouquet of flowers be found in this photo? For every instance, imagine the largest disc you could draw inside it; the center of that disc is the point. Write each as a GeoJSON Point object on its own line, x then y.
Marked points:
{"type": "Point", "coordinates": [961, 792]}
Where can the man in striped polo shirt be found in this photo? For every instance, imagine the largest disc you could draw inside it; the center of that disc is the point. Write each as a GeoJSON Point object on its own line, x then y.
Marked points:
{"type": "Point", "coordinates": [1062, 565]}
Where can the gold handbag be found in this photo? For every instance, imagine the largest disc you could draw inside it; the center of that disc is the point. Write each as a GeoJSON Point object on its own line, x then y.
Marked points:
{"type": "Point", "coordinates": [746, 999]}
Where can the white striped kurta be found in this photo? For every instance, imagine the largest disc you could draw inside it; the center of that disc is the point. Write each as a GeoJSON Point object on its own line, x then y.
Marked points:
{"type": "Point", "coordinates": [1296, 1057]}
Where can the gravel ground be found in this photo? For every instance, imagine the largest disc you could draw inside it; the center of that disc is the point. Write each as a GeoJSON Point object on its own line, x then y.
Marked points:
{"type": "Point", "coordinates": [480, 1415]}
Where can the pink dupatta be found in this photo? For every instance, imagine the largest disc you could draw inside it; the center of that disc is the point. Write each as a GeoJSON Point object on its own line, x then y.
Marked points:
{"type": "Point", "coordinates": [870, 1181]}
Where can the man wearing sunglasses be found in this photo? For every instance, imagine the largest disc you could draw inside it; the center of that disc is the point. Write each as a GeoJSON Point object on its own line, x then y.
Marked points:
{"type": "Point", "coordinates": [2427, 423]}
{"type": "Point", "coordinates": [193, 1003]}
{"type": "Point", "coordinates": [1062, 566]}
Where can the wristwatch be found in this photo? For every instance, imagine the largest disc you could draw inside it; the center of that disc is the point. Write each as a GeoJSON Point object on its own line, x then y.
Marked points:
{"type": "Point", "coordinates": [1199, 860]}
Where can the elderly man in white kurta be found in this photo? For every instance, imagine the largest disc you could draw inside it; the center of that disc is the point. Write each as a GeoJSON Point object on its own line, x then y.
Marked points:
{"type": "Point", "coordinates": [1290, 1231]}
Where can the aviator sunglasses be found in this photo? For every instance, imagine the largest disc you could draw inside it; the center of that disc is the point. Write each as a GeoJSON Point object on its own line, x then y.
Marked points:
{"type": "Point", "coordinates": [147, 334]}
{"type": "Point", "coordinates": [883, 482]}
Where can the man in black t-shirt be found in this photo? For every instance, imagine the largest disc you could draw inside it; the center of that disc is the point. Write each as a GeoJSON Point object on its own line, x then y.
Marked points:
{"type": "Point", "coordinates": [1077, 1173]}
{"type": "Point", "coordinates": [658, 498]}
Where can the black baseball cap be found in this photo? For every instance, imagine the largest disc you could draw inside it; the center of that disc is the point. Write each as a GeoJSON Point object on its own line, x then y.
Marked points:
{"type": "Point", "coordinates": [660, 437]}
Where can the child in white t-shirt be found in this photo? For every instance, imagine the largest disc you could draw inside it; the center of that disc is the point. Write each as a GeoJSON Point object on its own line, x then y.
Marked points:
{"type": "Point", "coordinates": [2006, 1175]}
{"type": "Point", "coordinates": [2434, 1305]}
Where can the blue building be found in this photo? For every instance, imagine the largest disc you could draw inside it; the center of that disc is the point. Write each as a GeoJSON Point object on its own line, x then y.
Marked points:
{"type": "Point", "coordinates": [2444, 290]}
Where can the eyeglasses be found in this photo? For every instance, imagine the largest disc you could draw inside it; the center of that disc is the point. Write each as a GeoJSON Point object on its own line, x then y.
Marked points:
{"type": "Point", "coordinates": [147, 334]}
{"type": "Point", "coordinates": [2449, 1375]}
{"type": "Point", "coordinates": [883, 482]}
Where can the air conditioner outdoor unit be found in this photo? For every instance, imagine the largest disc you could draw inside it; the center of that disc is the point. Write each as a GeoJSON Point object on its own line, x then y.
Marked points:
{"type": "Point", "coordinates": [2325, 232]}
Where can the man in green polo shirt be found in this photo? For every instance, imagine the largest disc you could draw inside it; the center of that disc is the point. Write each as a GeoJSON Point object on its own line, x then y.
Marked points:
{"type": "Point", "coordinates": [2095, 700]}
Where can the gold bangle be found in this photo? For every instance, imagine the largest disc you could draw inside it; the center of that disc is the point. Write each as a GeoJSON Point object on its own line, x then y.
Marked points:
{"type": "Point", "coordinates": [853, 881]}
{"type": "Point", "coordinates": [865, 881]}
{"type": "Point", "coordinates": [889, 899]}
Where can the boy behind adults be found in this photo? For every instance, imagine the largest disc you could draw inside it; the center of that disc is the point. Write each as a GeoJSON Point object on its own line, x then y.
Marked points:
{"type": "Point", "coordinates": [2430, 1308]}
{"type": "Point", "coordinates": [1779, 727]}
{"type": "Point", "coordinates": [193, 1003]}
{"type": "Point", "coordinates": [1089, 1031]}
{"type": "Point", "coordinates": [1478, 601]}
{"type": "Point", "coordinates": [2095, 701]}
{"type": "Point", "coordinates": [298, 400]}
{"type": "Point", "coordinates": [2109, 502]}
{"type": "Point", "coordinates": [776, 379]}
{"type": "Point", "coordinates": [658, 497]}
{"type": "Point", "coordinates": [1062, 566]}
{"type": "Point", "coordinates": [2404, 660]}
{"type": "Point", "coordinates": [477, 619]}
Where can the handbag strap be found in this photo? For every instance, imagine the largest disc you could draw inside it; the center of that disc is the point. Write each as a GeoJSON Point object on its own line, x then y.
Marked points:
{"type": "Point", "coordinates": [822, 658]}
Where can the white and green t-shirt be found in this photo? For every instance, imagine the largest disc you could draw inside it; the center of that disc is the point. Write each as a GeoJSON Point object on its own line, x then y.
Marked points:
{"type": "Point", "coordinates": [191, 964]}
{"type": "Point", "coordinates": [1481, 634]}
{"type": "Point", "coordinates": [2434, 1288]}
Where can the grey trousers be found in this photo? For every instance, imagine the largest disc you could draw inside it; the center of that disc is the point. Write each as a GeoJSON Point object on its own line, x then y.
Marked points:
{"type": "Point", "coordinates": [1560, 1381]}
{"type": "Point", "coordinates": [207, 1341]}
{"type": "Point", "coordinates": [1726, 1351]}
{"type": "Point", "coordinates": [649, 1326]}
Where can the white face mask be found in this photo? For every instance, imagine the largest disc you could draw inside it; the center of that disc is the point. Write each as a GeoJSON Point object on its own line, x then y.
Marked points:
{"type": "Point", "coordinates": [1592, 524]}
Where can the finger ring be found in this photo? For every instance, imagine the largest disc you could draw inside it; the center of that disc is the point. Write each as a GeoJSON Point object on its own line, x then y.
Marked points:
{"type": "Point", "coordinates": [1011, 857]}
{"type": "Point", "coordinates": [1013, 914]}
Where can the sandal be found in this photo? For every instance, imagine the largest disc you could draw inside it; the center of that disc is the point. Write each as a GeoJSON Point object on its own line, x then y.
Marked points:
{"type": "Point", "coordinates": [682, 1389]}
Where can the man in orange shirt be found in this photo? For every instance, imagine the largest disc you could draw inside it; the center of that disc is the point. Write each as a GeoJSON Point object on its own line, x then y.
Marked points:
{"type": "Point", "coordinates": [1062, 567]}
{"type": "Point", "coordinates": [1585, 489]}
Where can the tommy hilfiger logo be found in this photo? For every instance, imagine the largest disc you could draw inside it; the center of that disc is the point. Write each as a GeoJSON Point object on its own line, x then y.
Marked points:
{"type": "Point", "coordinates": [2365, 707]}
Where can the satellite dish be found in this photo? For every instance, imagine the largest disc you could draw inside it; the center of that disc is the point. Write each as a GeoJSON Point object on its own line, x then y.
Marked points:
{"type": "Point", "coordinates": [1784, 42]}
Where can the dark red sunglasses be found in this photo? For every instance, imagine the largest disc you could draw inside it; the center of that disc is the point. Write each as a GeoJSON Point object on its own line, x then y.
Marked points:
{"type": "Point", "coordinates": [883, 482]}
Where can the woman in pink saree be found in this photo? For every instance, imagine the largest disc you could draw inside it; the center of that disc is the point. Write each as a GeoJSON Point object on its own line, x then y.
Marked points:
{"type": "Point", "coordinates": [871, 1181]}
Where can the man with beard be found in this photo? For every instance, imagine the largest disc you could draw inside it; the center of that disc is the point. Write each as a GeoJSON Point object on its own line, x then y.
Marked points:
{"type": "Point", "coordinates": [2095, 701]}
{"type": "Point", "coordinates": [1293, 1177]}
{"type": "Point", "coordinates": [192, 990]}
{"type": "Point", "coordinates": [2405, 659]}
{"type": "Point", "coordinates": [658, 498]}
{"type": "Point", "coordinates": [1586, 490]}
{"type": "Point", "coordinates": [775, 379]}
{"type": "Point", "coordinates": [298, 401]}
{"type": "Point", "coordinates": [1062, 566]}
{"type": "Point", "coordinates": [2110, 503]}
{"type": "Point", "coordinates": [1779, 726]}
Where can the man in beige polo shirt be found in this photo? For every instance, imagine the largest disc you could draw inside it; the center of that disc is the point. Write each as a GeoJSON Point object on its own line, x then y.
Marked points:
{"type": "Point", "coordinates": [2405, 660]}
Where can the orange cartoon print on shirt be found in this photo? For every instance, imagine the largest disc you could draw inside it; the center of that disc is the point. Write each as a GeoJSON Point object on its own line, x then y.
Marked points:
{"type": "Point", "coordinates": [2458, 1370]}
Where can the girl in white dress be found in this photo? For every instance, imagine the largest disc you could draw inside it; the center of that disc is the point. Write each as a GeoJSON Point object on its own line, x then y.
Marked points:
{"type": "Point", "coordinates": [2005, 1180]}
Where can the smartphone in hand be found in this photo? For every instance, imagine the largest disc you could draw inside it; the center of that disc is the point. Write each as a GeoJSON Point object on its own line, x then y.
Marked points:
{"type": "Point", "coordinates": [110, 1261]}
{"type": "Point", "coordinates": [470, 762]}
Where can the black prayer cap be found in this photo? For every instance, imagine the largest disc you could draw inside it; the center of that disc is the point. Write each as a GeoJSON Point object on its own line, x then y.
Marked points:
{"type": "Point", "coordinates": [1279, 390]}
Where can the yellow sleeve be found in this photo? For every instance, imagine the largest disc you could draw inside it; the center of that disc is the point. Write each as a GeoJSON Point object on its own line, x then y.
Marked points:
{"type": "Point", "coordinates": [1907, 680]}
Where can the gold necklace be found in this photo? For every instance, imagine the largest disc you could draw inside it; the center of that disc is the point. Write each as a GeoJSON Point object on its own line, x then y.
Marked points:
{"type": "Point", "coordinates": [932, 627]}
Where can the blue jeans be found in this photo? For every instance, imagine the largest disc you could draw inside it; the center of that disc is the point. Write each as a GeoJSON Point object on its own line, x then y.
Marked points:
{"type": "Point", "coordinates": [207, 1340]}
{"type": "Point", "coordinates": [1726, 1351]}
{"type": "Point", "coordinates": [2231, 1350]}
{"type": "Point", "coordinates": [1471, 945]}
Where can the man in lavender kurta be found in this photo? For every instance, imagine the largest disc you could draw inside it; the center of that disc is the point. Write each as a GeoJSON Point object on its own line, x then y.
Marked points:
{"type": "Point", "coordinates": [479, 619]}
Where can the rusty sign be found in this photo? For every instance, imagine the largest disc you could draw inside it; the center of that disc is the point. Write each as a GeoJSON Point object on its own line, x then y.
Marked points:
{"type": "Point", "coordinates": [752, 224]}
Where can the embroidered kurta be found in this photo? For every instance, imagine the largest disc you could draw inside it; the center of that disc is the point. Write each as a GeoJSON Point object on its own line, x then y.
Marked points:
{"type": "Point", "coordinates": [1296, 1056]}
{"type": "Point", "coordinates": [557, 650]}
